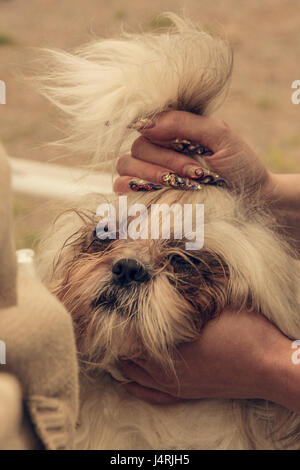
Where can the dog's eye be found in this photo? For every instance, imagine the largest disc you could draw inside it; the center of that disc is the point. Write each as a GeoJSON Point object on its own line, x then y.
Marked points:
{"type": "Point", "coordinates": [177, 259]}
{"type": "Point", "coordinates": [95, 242]}
{"type": "Point", "coordinates": [182, 263]}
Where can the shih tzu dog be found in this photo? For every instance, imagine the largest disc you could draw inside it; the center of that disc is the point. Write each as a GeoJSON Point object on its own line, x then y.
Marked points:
{"type": "Point", "coordinates": [134, 294]}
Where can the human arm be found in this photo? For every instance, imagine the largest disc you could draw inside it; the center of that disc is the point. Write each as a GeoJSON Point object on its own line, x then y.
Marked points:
{"type": "Point", "coordinates": [269, 372]}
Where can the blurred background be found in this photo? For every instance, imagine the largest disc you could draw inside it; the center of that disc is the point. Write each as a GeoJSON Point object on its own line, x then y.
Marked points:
{"type": "Point", "coordinates": [264, 35]}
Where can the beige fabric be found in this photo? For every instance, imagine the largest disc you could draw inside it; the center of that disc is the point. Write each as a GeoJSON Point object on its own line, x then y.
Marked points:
{"type": "Point", "coordinates": [7, 250]}
{"type": "Point", "coordinates": [16, 430]}
{"type": "Point", "coordinates": [40, 349]}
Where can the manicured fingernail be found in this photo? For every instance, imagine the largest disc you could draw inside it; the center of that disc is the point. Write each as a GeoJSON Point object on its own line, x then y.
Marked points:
{"type": "Point", "coordinates": [193, 171]}
{"type": "Point", "coordinates": [142, 185]}
{"type": "Point", "coordinates": [141, 124]}
{"type": "Point", "coordinates": [203, 175]}
{"type": "Point", "coordinates": [179, 182]}
{"type": "Point", "coordinates": [190, 148]}
{"type": "Point", "coordinates": [210, 177]}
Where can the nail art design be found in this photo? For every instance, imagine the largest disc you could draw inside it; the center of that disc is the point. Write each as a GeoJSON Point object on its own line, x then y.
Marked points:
{"type": "Point", "coordinates": [179, 182]}
{"type": "Point", "coordinates": [190, 148]}
{"type": "Point", "coordinates": [142, 123]}
{"type": "Point", "coordinates": [204, 176]}
{"type": "Point", "coordinates": [142, 185]}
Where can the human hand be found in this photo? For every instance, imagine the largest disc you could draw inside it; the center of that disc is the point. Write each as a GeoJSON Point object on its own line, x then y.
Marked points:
{"type": "Point", "coordinates": [153, 154]}
{"type": "Point", "coordinates": [238, 355]}
{"type": "Point", "coordinates": [153, 157]}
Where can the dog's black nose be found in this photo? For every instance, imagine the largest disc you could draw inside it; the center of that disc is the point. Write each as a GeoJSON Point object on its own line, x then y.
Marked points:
{"type": "Point", "coordinates": [127, 270]}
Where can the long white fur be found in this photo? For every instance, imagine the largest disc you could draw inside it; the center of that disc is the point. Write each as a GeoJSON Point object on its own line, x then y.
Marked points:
{"type": "Point", "coordinates": [110, 83]}
{"type": "Point", "coordinates": [103, 88]}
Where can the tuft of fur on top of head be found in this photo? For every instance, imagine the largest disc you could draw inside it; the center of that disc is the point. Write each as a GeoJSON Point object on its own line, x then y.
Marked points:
{"type": "Point", "coordinates": [106, 85]}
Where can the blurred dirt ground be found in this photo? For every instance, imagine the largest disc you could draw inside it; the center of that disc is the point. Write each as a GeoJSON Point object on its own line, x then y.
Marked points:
{"type": "Point", "coordinates": [266, 42]}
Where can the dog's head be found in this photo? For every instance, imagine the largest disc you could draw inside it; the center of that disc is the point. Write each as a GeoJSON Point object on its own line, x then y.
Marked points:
{"type": "Point", "coordinates": [130, 295]}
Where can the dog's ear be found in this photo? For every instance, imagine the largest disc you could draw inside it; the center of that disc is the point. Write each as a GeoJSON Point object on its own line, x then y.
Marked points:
{"type": "Point", "coordinates": [106, 86]}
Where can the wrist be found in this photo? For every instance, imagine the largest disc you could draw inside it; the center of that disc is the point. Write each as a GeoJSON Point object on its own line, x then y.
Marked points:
{"type": "Point", "coordinates": [282, 191]}
{"type": "Point", "coordinates": [281, 383]}
{"type": "Point", "coordinates": [272, 190]}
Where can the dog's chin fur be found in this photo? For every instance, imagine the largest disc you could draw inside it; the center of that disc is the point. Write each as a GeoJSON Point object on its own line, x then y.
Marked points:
{"type": "Point", "coordinates": [244, 263]}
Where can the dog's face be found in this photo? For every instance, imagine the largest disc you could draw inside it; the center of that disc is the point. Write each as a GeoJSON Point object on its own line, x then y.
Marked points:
{"type": "Point", "coordinates": [127, 296]}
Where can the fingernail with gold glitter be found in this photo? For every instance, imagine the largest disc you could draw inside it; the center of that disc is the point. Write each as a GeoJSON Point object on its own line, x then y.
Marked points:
{"type": "Point", "coordinates": [203, 175]}
{"type": "Point", "coordinates": [142, 123]}
{"type": "Point", "coordinates": [210, 177]}
{"type": "Point", "coordinates": [179, 182]}
{"type": "Point", "coordinates": [193, 171]}
{"type": "Point", "coordinates": [189, 147]}
{"type": "Point", "coordinates": [138, 185]}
